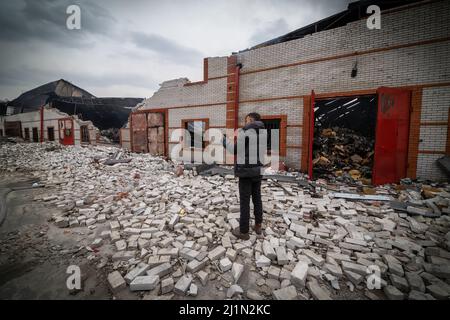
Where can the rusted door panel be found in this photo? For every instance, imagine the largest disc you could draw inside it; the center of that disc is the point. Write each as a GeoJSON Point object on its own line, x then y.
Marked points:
{"type": "Point", "coordinates": [66, 132]}
{"type": "Point", "coordinates": [13, 128]}
{"type": "Point", "coordinates": [392, 134]}
{"type": "Point", "coordinates": [156, 133]}
{"type": "Point", "coordinates": [139, 136]}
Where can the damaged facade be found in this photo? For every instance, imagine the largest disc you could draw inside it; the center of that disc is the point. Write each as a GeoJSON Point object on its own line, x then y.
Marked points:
{"type": "Point", "coordinates": [50, 124]}
{"type": "Point", "coordinates": [402, 67]}
{"type": "Point", "coordinates": [60, 111]}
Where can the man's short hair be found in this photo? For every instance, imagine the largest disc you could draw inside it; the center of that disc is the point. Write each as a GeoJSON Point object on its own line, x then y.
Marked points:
{"type": "Point", "coordinates": [255, 116]}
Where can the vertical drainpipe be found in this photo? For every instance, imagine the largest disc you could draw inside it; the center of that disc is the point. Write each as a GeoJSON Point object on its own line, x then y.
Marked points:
{"type": "Point", "coordinates": [236, 99]}
{"type": "Point", "coordinates": [131, 131]}
{"type": "Point", "coordinates": [42, 124]}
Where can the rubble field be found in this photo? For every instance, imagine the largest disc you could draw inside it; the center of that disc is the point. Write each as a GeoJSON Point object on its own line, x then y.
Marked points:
{"type": "Point", "coordinates": [163, 235]}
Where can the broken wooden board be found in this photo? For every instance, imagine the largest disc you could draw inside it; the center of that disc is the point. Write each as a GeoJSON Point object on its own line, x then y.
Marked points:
{"type": "Point", "coordinates": [369, 197]}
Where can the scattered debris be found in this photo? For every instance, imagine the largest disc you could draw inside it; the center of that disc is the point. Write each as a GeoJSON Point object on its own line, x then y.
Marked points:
{"type": "Point", "coordinates": [151, 229]}
{"type": "Point", "coordinates": [342, 152]}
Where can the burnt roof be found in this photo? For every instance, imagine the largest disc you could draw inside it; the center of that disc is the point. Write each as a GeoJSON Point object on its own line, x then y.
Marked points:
{"type": "Point", "coordinates": [355, 11]}
{"type": "Point", "coordinates": [37, 97]}
{"type": "Point", "coordinates": [104, 113]}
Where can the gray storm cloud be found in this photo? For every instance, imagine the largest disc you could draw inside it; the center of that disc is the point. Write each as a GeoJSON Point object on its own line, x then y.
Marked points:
{"type": "Point", "coordinates": [125, 48]}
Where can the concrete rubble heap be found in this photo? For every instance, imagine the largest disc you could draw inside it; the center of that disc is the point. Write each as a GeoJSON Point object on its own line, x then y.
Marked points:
{"type": "Point", "coordinates": [167, 235]}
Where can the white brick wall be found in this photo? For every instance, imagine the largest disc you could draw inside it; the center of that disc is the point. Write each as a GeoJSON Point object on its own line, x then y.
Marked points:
{"type": "Point", "coordinates": [427, 167]}
{"type": "Point", "coordinates": [217, 67]}
{"type": "Point", "coordinates": [407, 26]}
{"type": "Point", "coordinates": [435, 104]}
{"type": "Point", "coordinates": [433, 138]}
{"type": "Point", "coordinates": [293, 108]}
{"type": "Point", "coordinates": [407, 66]}
{"type": "Point", "coordinates": [214, 91]}
{"type": "Point", "coordinates": [435, 108]}
{"type": "Point", "coordinates": [216, 115]}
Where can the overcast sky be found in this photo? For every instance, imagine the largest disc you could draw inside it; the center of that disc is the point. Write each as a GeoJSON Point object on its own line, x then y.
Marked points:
{"type": "Point", "coordinates": [127, 48]}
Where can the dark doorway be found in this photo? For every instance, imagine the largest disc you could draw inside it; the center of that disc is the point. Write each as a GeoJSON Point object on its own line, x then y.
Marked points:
{"type": "Point", "coordinates": [271, 124]}
{"type": "Point", "coordinates": [35, 135]}
{"type": "Point", "coordinates": [344, 137]}
{"type": "Point", "coordinates": [27, 134]}
{"type": "Point", "coordinates": [84, 134]}
{"type": "Point", "coordinates": [51, 133]}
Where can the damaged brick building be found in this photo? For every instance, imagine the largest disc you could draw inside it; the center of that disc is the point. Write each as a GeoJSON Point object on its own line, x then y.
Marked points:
{"type": "Point", "coordinates": [403, 69]}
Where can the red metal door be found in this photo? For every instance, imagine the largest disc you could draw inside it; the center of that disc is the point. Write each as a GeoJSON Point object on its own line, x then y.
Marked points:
{"type": "Point", "coordinates": [139, 132]}
{"type": "Point", "coordinates": [66, 131]}
{"type": "Point", "coordinates": [391, 138]}
{"type": "Point", "coordinates": [311, 135]}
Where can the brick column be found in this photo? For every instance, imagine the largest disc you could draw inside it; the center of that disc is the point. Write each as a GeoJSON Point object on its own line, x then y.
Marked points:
{"type": "Point", "coordinates": [231, 92]}
{"type": "Point", "coordinates": [232, 96]}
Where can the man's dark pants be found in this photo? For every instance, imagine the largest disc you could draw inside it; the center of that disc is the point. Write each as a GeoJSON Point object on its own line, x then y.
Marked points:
{"type": "Point", "coordinates": [250, 187]}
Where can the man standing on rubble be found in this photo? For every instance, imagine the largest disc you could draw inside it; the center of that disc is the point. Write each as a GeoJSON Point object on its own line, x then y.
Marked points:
{"type": "Point", "coordinates": [248, 168]}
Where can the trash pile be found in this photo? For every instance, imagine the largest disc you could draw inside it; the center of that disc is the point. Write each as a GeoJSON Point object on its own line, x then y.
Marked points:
{"type": "Point", "coordinates": [164, 235]}
{"type": "Point", "coordinates": [343, 153]}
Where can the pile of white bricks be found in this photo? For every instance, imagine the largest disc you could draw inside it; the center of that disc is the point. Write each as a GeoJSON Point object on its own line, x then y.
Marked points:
{"type": "Point", "coordinates": [168, 235]}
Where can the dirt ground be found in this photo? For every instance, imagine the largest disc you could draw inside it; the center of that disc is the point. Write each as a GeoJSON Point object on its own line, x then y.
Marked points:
{"type": "Point", "coordinates": [35, 255]}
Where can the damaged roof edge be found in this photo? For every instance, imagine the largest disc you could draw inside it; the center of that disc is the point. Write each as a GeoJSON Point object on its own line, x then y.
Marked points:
{"type": "Point", "coordinates": [355, 11]}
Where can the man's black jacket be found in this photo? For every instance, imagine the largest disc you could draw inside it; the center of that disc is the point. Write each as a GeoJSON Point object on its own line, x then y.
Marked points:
{"type": "Point", "coordinates": [247, 165]}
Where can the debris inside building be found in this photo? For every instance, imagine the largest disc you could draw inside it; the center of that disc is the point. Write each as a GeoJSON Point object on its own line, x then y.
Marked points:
{"type": "Point", "coordinates": [344, 138]}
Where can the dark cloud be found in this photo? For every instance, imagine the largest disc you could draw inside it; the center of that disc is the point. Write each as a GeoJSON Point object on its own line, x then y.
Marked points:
{"type": "Point", "coordinates": [46, 20]}
{"type": "Point", "coordinates": [30, 77]}
{"type": "Point", "coordinates": [166, 48]}
{"type": "Point", "coordinates": [128, 35]}
{"type": "Point", "coordinates": [269, 31]}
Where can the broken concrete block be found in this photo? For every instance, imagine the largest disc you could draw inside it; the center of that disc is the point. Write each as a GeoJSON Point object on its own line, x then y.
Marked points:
{"type": "Point", "coordinates": [354, 267]}
{"type": "Point", "coordinates": [316, 259]}
{"type": "Point", "coordinates": [174, 220]}
{"type": "Point", "coordinates": [317, 291]}
{"type": "Point", "coordinates": [231, 254]}
{"type": "Point", "coordinates": [415, 281]}
{"type": "Point", "coordinates": [182, 285]}
{"type": "Point", "coordinates": [268, 250]}
{"type": "Point", "coordinates": [282, 258]}
{"type": "Point", "coordinates": [299, 274]}
{"type": "Point", "coordinates": [417, 295]}
{"type": "Point", "coordinates": [123, 255]}
{"type": "Point", "coordinates": [263, 261]}
{"type": "Point", "coordinates": [139, 270]}
{"type": "Point", "coordinates": [62, 222]}
{"type": "Point", "coordinates": [393, 293]}
{"type": "Point", "coordinates": [225, 264]}
{"type": "Point", "coordinates": [121, 245]}
{"type": "Point", "coordinates": [116, 281]}
{"type": "Point", "coordinates": [203, 277]}
{"type": "Point", "coordinates": [237, 269]}
{"type": "Point", "coordinates": [234, 290]}
{"type": "Point", "coordinates": [216, 253]}
{"type": "Point", "coordinates": [144, 283]}
{"type": "Point", "coordinates": [196, 265]}
{"type": "Point", "coordinates": [273, 273]}
{"type": "Point", "coordinates": [287, 293]}
{"type": "Point", "coordinates": [161, 270]}
{"type": "Point", "coordinates": [354, 277]}
{"type": "Point", "coordinates": [193, 290]}
{"type": "Point", "coordinates": [399, 282]}
{"type": "Point", "coordinates": [394, 265]}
